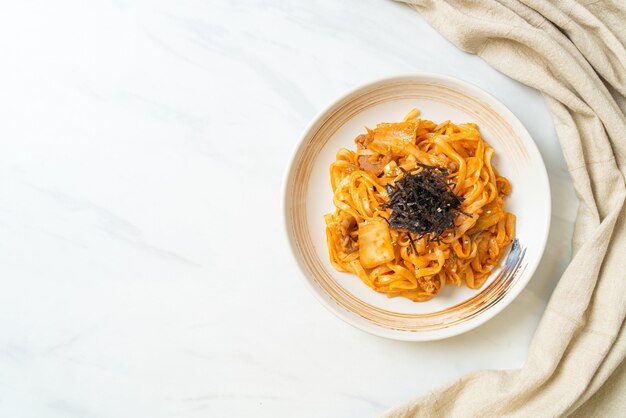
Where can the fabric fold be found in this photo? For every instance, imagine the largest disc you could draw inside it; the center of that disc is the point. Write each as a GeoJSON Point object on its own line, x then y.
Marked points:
{"type": "Point", "coordinates": [574, 54]}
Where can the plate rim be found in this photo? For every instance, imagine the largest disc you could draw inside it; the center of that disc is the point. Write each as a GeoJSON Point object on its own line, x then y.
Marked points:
{"type": "Point", "coordinates": [374, 329]}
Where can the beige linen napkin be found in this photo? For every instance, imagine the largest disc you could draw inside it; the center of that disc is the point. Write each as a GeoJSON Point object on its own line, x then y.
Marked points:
{"type": "Point", "coordinates": [573, 52]}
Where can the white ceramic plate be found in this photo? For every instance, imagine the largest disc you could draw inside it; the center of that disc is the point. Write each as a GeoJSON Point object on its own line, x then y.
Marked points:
{"type": "Point", "coordinates": [308, 196]}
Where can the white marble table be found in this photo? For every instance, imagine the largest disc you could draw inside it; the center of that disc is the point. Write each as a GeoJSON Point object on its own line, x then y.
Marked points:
{"type": "Point", "coordinates": [142, 260]}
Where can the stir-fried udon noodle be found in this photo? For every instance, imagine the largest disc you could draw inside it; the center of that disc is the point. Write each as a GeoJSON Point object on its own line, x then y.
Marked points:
{"type": "Point", "coordinates": [395, 261]}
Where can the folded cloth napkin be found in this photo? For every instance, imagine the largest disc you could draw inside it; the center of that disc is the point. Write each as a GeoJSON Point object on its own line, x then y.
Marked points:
{"type": "Point", "coordinates": [574, 53]}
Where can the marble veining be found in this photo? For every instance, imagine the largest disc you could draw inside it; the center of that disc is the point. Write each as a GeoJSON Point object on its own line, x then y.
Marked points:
{"type": "Point", "coordinates": [143, 266]}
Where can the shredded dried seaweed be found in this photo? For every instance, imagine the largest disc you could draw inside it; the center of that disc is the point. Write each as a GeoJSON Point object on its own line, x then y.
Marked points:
{"type": "Point", "coordinates": [423, 203]}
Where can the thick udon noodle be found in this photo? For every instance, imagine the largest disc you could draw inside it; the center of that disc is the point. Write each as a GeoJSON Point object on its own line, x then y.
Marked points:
{"type": "Point", "coordinates": [360, 241]}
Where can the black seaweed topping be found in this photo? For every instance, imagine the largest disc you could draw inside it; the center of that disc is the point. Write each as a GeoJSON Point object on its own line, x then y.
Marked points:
{"type": "Point", "coordinates": [423, 203]}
